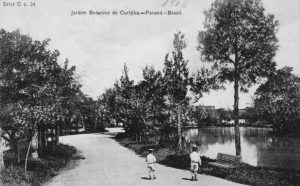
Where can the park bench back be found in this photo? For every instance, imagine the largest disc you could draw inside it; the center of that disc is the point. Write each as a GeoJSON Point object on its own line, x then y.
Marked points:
{"type": "Point", "coordinates": [228, 159]}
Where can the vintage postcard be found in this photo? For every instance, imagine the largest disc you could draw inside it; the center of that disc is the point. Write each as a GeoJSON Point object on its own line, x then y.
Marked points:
{"type": "Point", "coordinates": [140, 92]}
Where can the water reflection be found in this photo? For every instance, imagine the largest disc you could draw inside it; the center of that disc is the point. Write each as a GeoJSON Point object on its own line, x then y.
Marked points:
{"type": "Point", "coordinates": [259, 146]}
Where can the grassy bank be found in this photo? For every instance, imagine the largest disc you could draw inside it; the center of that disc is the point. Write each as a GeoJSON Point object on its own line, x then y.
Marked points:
{"type": "Point", "coordinates": [38, 171]}
{"type": "Point", "coordinates": [245, 174]}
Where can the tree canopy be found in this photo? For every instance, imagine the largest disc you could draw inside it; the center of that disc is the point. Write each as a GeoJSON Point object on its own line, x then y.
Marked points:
{"type": "Point", "coordinates": [277, 101]}
{"type": "Point", "coordinates": [239, 40]}
{"type": "Point", "coordinates": [36, 93]}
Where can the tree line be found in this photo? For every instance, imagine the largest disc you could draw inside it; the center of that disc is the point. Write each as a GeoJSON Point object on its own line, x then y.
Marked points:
{"type": "Point", "coordinates": [158, 104]}
{"type": "Point", "coordinates": [38, 96]}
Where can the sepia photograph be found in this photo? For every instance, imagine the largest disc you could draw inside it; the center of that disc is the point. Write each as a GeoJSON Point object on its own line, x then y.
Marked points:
{"type": "Point", "coordinates": [140, 92]}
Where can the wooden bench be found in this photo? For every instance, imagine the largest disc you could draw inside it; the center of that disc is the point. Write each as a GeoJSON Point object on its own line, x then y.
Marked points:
{"type": "Point", "coordinates": [226, 161]}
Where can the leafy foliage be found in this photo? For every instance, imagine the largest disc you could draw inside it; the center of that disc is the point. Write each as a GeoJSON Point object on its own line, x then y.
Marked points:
{"type": "Point", "coordinates": [34, 89]}
{"type": "Point", "coordinates": [151, 106]}
{"type": "Point", "coordinates": [225, 114]}
{"type": "Point", "coordinates": [137, 107]}
{"type": "Point", "coordinates": [176, 74]}
{"type": "Point", "coordinates": [158, 105]}
{"type": "Point", "coordinates": [277, 101]}
{"type": "Point", "coordinates": [239, 40]}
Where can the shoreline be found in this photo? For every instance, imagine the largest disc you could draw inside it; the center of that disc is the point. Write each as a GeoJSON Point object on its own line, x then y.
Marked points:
{"type": "Point", "coordinates": [245, 174]}
{"type": "Point", "coordinates": [218, 126]}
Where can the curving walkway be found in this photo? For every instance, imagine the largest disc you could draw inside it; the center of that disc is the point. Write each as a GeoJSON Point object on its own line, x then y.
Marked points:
{"type": "Point", "coordinates": [107, 163]}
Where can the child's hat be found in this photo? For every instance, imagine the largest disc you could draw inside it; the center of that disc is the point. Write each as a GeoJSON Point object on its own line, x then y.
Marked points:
{"type": "Point", "coordinates": [151, 150]}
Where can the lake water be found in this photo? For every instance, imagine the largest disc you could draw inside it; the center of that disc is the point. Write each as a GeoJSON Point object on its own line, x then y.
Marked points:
{"type": "Point", "coordinates": [259, 146]}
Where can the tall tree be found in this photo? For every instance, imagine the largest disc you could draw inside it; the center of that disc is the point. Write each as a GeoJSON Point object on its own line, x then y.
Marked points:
{"type": "Point", "coordinates": [124, 91]}
{"type": "Point", "coordinates": [26, 76]}
{"type": "Point", "coordinates": [239, 41]}
{"type": "Point", "coordinates": [69, 95]}
{"type": "Point", "coordinates": [277, 101]}
{"type": "Point", "coordinates": [33, 87]}
{"type": "Point", "coordinates": [176, 81]}
{"type": "Point", "coordinates": [107, 106]}
{"type": "Point", "coordinates": [152, 93]}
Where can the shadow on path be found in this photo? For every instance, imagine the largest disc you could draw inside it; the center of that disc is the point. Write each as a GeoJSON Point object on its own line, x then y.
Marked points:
{"type": "Point", "coordinates": [145, 178]}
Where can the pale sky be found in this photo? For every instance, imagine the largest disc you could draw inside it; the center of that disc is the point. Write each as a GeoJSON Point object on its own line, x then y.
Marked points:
{"type": "Point", "coordinates": [99, 45]}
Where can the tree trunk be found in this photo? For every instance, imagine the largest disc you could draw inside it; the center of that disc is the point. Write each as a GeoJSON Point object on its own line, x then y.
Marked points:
{"type": "Point", "coordinates": [57, 132]}
{"type": "Point", "coordinates": [95, 124]}
{"type": "Point", "coordinates": [46, 126]}
{"type": "Point", "coordinates": [236, 118]}
{"type": "Point", "coordinates": [42, 139]}
{"type": "Point", "coordinates": [179, 132]}
{"type": "Point", "coordinates": [82, 122]}
{"type": "Point", "coordinates": [1, 152]}
{"type": "Point", "coordinates": [65, 126]}
{"type": "Point", "coordinates": [77, 126]}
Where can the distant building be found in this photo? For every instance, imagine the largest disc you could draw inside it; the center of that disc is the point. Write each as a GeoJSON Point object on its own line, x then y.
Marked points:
{"type": "Point", "coordinates": [241, 121]}
{"type": "Point", "coordinates": [215, 114]}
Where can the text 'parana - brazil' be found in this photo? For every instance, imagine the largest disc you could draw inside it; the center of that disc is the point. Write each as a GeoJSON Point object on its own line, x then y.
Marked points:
{"type": "Point", "coordinates": [125, 12]}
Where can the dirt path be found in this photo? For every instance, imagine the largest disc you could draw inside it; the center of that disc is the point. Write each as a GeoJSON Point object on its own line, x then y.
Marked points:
{"type": "Point", "coordinates": [107, 163]}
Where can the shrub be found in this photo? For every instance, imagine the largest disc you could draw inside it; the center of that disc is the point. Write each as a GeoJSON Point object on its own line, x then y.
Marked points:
{"type": "Point", "coordinates": [40, 170]}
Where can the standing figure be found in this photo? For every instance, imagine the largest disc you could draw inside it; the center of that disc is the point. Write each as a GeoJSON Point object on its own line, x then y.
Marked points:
{"type": "Point", "coordinates": [195, 162]}
{"type": "Point", "coordinates": [151, 160]}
